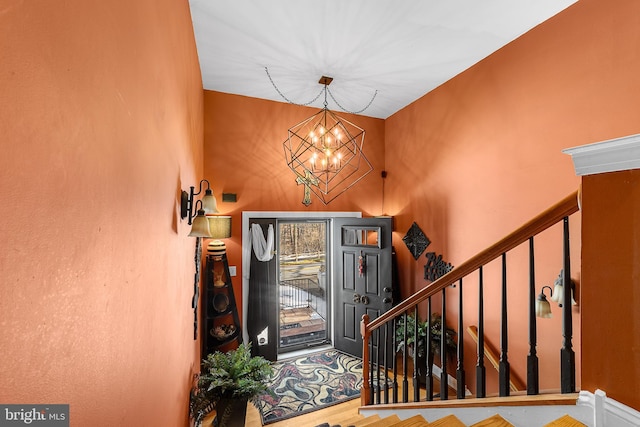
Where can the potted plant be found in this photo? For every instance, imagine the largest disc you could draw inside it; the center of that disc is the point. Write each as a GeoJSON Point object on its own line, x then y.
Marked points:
{"type": "Point", "coordinates": [227, 382]}
{"type": "Point", "coordinates": [421, 349]}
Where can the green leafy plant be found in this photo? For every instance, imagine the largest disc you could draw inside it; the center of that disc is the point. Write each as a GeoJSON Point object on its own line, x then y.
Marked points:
{"type": "Point", "coordinates": [436, 335]}
{"type": "Point", "coordinates": [233, 375]}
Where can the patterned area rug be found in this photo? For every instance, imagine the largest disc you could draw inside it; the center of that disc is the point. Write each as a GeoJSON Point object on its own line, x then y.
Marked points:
{"type": "Point", "coordinates": [310, 383]}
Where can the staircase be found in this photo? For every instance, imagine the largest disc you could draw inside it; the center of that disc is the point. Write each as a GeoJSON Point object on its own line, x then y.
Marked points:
{"type": "Point", "coordinates": [386, 393]}
{"type": "Point", "coordinates": [447, 421]}
{"type": "Point", "coordinates": [381, 373]}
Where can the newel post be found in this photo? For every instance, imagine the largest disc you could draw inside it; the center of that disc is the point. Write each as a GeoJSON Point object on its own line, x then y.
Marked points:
{"type": "Point", "coordinates": [365, 391]}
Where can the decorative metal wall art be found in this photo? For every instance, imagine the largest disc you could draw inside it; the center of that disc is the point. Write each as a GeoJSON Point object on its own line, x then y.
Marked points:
{"type": "Point", "coordinates": [416, 241]}
{"type": "Point", "coordinates": [196, 288]}
{"type": "Point", "coordinates": [435, 267]}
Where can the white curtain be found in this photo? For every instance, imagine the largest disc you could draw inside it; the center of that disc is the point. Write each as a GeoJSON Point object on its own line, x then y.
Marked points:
{"type": "Point", "coordinates": [261, 247]}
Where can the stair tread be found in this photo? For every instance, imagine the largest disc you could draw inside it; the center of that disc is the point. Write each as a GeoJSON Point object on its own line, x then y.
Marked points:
{"type": "Point", "coordinates": [448, 421]}
{"type": "Point", "coordinates": [415, 421]}
{"type": "Point", "coordinates": [356, 418]}
{"type": "Point", "coordinates": [385, 422]}
{"type": "Point", "coordinates": [351, 420]}
{"type": "Point", "coordinates": [494, 421]}
{"type": "Point", "coordinates": [565, 421]}
{"type": "Point", "coordinates": [514, 400]}
{"type": "Point", "coordinates": [362, 422]}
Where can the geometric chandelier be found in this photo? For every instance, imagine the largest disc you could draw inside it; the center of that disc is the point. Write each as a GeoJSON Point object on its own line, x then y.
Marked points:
{"type": "Point", "coordinates": [325, 153]}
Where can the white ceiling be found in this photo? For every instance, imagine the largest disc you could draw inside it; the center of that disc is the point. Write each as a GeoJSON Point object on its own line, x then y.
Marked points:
{"type": "Point", "coordinates": [397, 50]}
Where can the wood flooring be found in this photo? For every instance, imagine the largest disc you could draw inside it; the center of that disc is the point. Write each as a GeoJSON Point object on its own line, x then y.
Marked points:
{"type": "Point", "coordinates": [332, 414]}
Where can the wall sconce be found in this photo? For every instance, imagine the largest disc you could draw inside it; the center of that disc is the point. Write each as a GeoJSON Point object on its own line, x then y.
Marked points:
{"type": "Point", "coordinates": [208, 205]}
{"type": "Point", "coordinates": [543, 308]}
{"type": "Point", "coordinates": [558, 290]}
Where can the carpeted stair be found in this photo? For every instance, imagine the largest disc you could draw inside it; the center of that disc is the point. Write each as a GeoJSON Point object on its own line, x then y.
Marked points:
{"type": "Point", "coordinates": [448, 421]}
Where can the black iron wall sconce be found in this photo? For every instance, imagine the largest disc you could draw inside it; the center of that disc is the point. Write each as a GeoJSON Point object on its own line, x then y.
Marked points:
{"type": "Point", "coordinates": [543, 308]}
{"type": "Point", "coordinates": [208, 205]}
{"type": "Point", "coordinates": [558, 290]}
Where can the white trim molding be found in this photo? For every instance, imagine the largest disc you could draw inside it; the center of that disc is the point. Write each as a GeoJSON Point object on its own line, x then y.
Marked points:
{"type": "Point", "coordinates": [606, 156]}
{"type": "Point", "coordinates": [607, 411]}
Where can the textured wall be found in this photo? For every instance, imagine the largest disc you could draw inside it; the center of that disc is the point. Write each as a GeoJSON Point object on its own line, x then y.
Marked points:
{"type": "Point", "coordinates": [243, 154]}
{"type": "Point", "coordinates": [101, 124]}
{"type": "Point", "coordinates": [611, 204]}
{"type": "Point", "coordinates": [470, 161]}
{"type": "Point", "coordinates": [482, 153]}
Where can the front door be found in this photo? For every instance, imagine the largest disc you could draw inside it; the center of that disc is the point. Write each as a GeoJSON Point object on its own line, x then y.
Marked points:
{"type": "Point", "coordinates": [362, 276]}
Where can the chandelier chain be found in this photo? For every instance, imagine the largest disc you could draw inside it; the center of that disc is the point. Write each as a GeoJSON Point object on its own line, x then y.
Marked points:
{"type": "Point", "coordinates": [352, 112]}
{"type": "Point", "coordinates": [287, 99]}
{"type": "Point", "coordinates": [325, 89]}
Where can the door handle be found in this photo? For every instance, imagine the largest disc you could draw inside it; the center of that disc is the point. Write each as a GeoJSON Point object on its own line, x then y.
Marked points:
{"type": "Point", "coordinates": [387, 289]}
{"type": "Point", "coordinates": [386, 300]}
{"type": "Point", "coordinates": [363, 299]}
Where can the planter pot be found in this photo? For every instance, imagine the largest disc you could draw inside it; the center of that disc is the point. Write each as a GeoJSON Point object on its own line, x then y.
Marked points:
{"type": "Point", "coordinates": [230, 413]}
{"type": "Point", "coordinates": [420, 363]}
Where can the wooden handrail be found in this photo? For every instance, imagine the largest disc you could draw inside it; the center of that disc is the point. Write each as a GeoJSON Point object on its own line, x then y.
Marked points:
{"type": "Point", "coordinates": [564, 208]}
{"type": "Point", "coordinates": [558, 212]}
{"type": "Point", "coordinates": [514, 383]}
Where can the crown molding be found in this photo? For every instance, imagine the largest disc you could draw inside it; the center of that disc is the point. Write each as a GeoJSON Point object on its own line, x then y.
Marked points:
{"type": "Point", "coordinates": [606, 156]}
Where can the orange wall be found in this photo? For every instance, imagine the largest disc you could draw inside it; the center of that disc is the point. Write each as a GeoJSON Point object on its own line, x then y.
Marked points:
{"type": "Point", "coordinates": [611, 204]}
{"type": "Point", "coordinates": [481, 154]}
{"type": "Point", "coordinates": [243, 154]}
{"type": "Point", "coordinates": [101, 125]}
{"type": "Point", "coordinates": [470, 161]}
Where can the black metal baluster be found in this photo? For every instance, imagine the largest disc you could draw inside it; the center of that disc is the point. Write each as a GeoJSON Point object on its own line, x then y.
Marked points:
{"type": "Point", "coordinates": [405, 380]}
{"type": "Point", "coordinates": [481, 385]}
{"type": "Point", "coordinates": [395, 363]}
{"type": "Point", "coordinates": [371, 385]}
{"type": "Point", "coordinates": [386, 361]}
{"type": "Point", "coordinates": [460, 368]}
{"type": "Point", "coordinates": [416, 338]}
{"type": "Point", "coordinates": [532, 357]}
{"type": "Point", "coordinates": [567, 356]}
{"type": "Point", "coordinates": [429, 353]}
{"type": "Point", "coordinates": [504, 375]}
{"type": "Point", "coordinates": [444, 377]}
{"type": "Point", "coordinates": [379, 390]}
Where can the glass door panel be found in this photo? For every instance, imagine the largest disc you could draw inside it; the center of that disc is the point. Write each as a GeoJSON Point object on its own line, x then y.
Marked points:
{"type": "Point", "coordinates": [302, 284]}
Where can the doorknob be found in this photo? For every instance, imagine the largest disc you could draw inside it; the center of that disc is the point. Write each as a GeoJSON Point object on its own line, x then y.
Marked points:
{"type": "Point", "coordinates": [356, 298]}
{"type": "Point", "coordinates": [386, 300]}
{"type": "Point", "coordinates": [387, 289]}
{"type": "Point", "coordinates": [364, 299]}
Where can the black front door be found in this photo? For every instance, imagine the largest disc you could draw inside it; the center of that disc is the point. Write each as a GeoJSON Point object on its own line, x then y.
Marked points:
{"type": "Point", "coordinates": [362, 276]}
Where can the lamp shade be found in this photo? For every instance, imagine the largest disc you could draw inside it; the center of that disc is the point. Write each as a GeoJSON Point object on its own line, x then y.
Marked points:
{"type": "Point", "coordinates": [543, 308]}
{"type": "Point", "coordinates": [209, 203]}
{"type": "Point", "coordinates": [220, 226]}
{"type": "Point", "coordinates": [558, 294]}
{"type": "Point", "coordinates": [200, 227]}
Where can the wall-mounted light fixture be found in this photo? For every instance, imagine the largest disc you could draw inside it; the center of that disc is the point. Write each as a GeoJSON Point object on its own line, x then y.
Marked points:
{"type": "Point", "coordinates": [543, 308]}
{"type": "Point", "coordinates": [558, 290]}
{"type": "Point", "coordinates": [208, 205]}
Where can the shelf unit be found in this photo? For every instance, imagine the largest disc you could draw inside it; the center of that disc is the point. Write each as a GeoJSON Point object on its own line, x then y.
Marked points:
{"type": "Point", "coordinates": [221, 329]}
